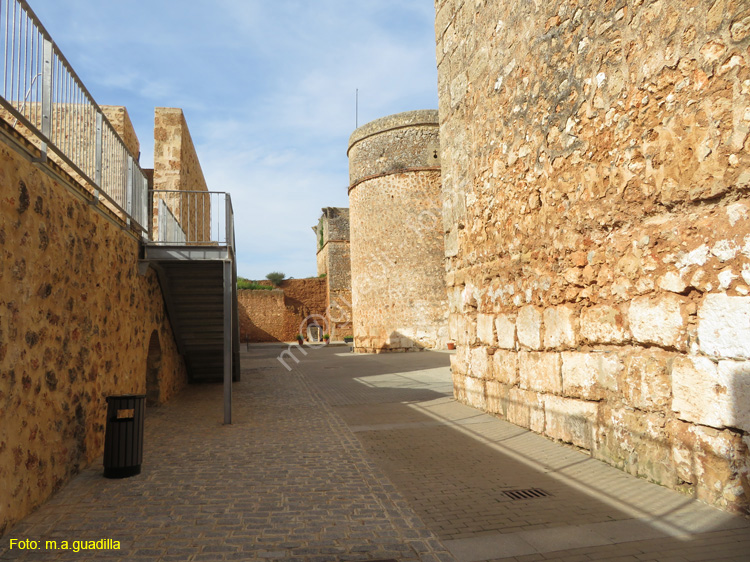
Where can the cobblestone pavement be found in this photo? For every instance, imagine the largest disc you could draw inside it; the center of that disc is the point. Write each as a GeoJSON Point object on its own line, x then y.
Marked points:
{"type": "Point", "coordinates": [351, 457]}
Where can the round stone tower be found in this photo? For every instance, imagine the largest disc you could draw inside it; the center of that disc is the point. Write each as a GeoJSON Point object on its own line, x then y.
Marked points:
{"type": "Point", "coordinates": [399, 300]}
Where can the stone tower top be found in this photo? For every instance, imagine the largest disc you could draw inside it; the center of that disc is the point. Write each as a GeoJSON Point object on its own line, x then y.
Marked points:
{"type": "Point", "coordinates": [393, 144]}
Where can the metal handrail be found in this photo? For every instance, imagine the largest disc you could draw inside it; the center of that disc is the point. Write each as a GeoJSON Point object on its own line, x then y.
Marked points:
{"type": "Point", "coordinates": [192, 218]}
{"type": "Point", "coordinates": [61, 114]}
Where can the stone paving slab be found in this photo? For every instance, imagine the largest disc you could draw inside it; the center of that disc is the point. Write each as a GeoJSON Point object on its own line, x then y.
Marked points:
{"type": "Point", "coordinates": [454, 464]}
{"type": "Point", "coordinates": [287, 481]}
{"type": "Point", "coordinates": [353, 457]}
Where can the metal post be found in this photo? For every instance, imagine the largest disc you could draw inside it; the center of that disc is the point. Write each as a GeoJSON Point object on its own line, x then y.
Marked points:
{"type": "Point", "coordinates": [129, 189]}
{"type": "Point", "coordinates": [98, 152]}
{"type": "Point", "coordinates": [47, 54]}
{"type": "Point", "coordinates": [227, 342]}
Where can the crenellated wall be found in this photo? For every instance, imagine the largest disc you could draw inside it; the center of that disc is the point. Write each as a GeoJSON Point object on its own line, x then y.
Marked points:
{"type": "Point", "coordinates": [77, 323]}
{"type": "Point", "coordinates": [595, 201]}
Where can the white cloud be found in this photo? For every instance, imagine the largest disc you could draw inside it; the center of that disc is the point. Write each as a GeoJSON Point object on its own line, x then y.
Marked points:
{"type": "Point", "coordinates": [268, 93]}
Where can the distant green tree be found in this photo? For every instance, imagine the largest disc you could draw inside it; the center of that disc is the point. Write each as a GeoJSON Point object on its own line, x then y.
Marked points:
{"type": "Point", "coordinates": [276, 277]}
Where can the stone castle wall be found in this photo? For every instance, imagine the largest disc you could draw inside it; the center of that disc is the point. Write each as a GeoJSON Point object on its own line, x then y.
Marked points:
{"type": "Point", "coordinates": [595, 179]}
{"type": "Point", "coordinates": [398, 289]}
{"type": "Point", "coordinates": [276, 315]}
{"type": "Point", "coordinates": [76, 325]}
{"type": "Point", "coordinates": [334, 262]}
{"type": "Point", "coordinates": [177, 168]}
{"type": "Point", "coordinates": [118, 117]}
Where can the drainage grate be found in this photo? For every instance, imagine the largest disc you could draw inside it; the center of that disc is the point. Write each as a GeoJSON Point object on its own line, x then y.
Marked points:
{"type": "Point", "coordinates": [529, 494]}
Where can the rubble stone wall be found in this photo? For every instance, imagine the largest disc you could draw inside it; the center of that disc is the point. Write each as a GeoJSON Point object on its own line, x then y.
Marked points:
{"type": "Point", "coordinates": [277, 315]}
{"type": "Point", "coordinates": [76, 322]}
{"type": "Point", "coordinates": [398, 288]}
{"type": "Point", "coordinates": [595, 198]}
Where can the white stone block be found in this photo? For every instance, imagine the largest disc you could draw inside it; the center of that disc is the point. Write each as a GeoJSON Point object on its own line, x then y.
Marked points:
{"type": "Point", "coordinates": [506, 366]}
{"type": "Point", "coordinates": [481, 366]}
{"type": "Point", "coordinates": [710, 394]}
{"type": "Point", "coordinates": [603, 325]}
{"type": "Point", "coordinates": [724, 326]}
{"type": "Point", "coordinates": [569, 420]}
{"type": "Point", "coordinates": [559, 327]}
{"type": "Point", "coordinates": [590, 375]}
{"type": "Point", "coordinates": [476, 394]}
{"type": "Point", "coordinates": [540, 372]}
{"type": "Point", "coordinates": [486, 328]}
{"type": "Point", "coordinates": [658, 321]}
{"type": "Point", "coordinates": [529, 327]}
{"type": "Point", "coordinates": [505, 326]}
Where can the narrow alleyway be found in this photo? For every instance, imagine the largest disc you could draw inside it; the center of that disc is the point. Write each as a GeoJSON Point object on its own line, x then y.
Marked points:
{"type": "Point", "coordinates": [352, 457]}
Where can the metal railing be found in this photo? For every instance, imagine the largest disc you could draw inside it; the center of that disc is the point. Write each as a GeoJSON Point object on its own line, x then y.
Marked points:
{"type": "Point", "coordinates": [192, 218]}
{"type": "Point", "coordinates": [41, 92]}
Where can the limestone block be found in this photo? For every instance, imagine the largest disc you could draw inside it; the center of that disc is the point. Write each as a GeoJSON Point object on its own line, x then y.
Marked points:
{"type": "Point", "coordinates": [636, 442]}
{"type": "Point", "coordinates": [463, 329]}
{"type": "Point", "coordinates": [724, 326]}
{"type": "Point", "coordinates": [526, 409]}
{"type": "Point", "coordinates": [559, 327]}
{"type": "Point", "coordinates": [459, 386]}
{"type": "Point", "coordinates": [529, 328]}
{"type": "Point", "coordinates": [497, 397]}
{"type": "Point", "coordinates": [569, 420]}
{"type": "Point", "coordinates": [540, 372]}
{"type": "Point", "coordinates": [590, 375]}
{"type": "Point", "coordinates": [710, 394]}
{"type": "Point", "coordinates": [481, 363]}
{"type": "Point", "coordinates": [603, 325]}
{"type": "Point", "coordinates": [505, 326]}
{"type": "Point", "coordinates": [476, 393]}
{"type": "Point", "coordinates": [658, 321]}
{"type": "Point", "coordinates": [506, 366]}
{"type": "Point", "coordinates": [646, 383]}
{"type": "Point", "coordinates": [486, 328]}
{"type": "Point", "coordinates": [714, 461]}
{"type": "Point", "coordinates": [459, 365]}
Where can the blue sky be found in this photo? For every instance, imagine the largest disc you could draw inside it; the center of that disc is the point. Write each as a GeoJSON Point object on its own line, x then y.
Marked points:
{"type": "Point", "coordinates": [268, 90]}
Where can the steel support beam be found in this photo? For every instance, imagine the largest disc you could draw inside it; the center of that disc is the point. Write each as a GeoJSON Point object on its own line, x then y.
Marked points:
{"type": "Point", "coordinates": [228, 342]}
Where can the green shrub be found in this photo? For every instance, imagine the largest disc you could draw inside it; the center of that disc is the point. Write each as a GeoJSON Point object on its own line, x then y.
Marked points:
{"type": "Point", "coordinates": [275, 277]}
{"type": "Point", "coordinates": [246, 284]}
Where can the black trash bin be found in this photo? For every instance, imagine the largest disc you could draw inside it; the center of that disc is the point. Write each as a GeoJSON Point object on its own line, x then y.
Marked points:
{"type": "Point", "coordinates": [123, 436]}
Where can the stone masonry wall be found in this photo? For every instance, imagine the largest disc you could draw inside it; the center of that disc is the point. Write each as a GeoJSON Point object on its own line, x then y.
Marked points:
{"type": "Point", "coordinates": [334, 261]}
{"type": "Point", "coordinates": [595, 179]}
{"type": "Point", "coordinates": [398, 289]}
{"type": "Point", "coordinates": [118, 117]}
{"type": "Point", "coordinates": [268, 316]}
{"type": "Point", "coordinates": [177, 168]}
{"type": "Point", "coordinates": [75, 326]}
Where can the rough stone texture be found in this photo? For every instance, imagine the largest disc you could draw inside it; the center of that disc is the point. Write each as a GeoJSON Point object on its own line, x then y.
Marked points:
{"type": "Point", "coordinates": [724, 326]}
{"type": "Point", "coordinates": [398, 287]}
{"type": "Point", "coordinates": [539, 371]}
{"type": "Point", "coordinates": [486, 329]}
{"type": "Point", "coordinates": [526, 408]}
{"type": "Point", "coordinates": [711, 394]}
{"type": "Point", "coordinates": [571, 421]}
{"type": "Point", "coordinates": [590, 376]}
{"type": "Point", "coordinates": [659, 322]}
{"type": "Point", "coordinates": [281, 314]}
{"type": "Point", "coordinates": [76, 323]}
{"type": "Point", "coordinates": [595, 157]}
{"type": "Point", "coordinates": [177, 168]}
{"type": "Point", "coordinates": [334, 263]}
{"type": "Point", "coordinates": [529, 328]}
{"type": "Point", "coordinates": [118, 117]}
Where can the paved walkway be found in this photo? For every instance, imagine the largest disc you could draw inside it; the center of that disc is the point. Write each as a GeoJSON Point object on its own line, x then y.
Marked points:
{"type": "Point", "coordinates": [349, 457]}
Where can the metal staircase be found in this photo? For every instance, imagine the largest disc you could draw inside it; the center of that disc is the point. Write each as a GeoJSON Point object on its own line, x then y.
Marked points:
{"type": "Point", "coordinates": [192, 251]}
